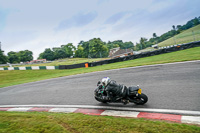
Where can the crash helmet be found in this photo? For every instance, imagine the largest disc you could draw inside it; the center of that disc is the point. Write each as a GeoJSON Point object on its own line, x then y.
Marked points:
{"type": "Point", "coordinates": [105, 81]}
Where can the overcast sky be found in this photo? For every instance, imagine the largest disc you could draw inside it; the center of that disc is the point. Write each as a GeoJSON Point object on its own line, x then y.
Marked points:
{"type": "Point", "coordinates": [39, 24]}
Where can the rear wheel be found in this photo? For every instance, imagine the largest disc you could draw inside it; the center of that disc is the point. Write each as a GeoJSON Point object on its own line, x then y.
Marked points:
{"type": "Point", "coordinates": [142, 99]}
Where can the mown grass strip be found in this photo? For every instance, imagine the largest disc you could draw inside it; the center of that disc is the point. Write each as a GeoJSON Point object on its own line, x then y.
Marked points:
{"type": "Point", "coordinates": [8, 78]}
{"type": "Point", "coordinates": [80, 123]}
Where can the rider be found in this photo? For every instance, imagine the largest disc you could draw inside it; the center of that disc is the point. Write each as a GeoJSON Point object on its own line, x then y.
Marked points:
{"type": "Point", "coordinates": [114, 91]}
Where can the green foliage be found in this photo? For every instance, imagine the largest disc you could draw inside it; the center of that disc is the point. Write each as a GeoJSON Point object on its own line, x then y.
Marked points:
{"type": "Point", "coordinates": [47, 54]}
{"type": "Point", "coordinates": [21, 56]}
{"type": "Point", "coordinates": [25, 55]}
{"type": "Point", "coordinates": [97, 48]}
{"type": "Point", "coordinates": [143, 42]}
{"type": "Point", "coordinates": [65, 51]}
{"type": "Point", "coordinates": [68, 49]}
{"type": "Point", "coordinates": [80, 52]}
{"type": "Point", "coordinates": [3, 58]}
{"type": "Point", "coordinates": [13, 57]}
{"type": "Point", "coordinates": [94, 48]}
{"type": "Point", "coordinates": [59, 54]}
{"type": "Point", "coordinates": [119, 43]}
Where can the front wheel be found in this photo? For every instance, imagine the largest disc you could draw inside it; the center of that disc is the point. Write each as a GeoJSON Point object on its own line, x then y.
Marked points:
{"type": "Point", "coordinates": [100, 100]}
{"type": "Point", "coordinates": [141, 99]}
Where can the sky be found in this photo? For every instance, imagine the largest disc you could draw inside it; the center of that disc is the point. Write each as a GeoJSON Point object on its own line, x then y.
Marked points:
{"type": "Point", "coordinates": [38, 24]}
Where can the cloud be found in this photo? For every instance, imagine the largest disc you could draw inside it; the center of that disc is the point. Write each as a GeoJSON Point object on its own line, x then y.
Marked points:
{"type": "Point", "coordinates": [78, 20]}
{"type": "Point", "coordinates": [115, 18]}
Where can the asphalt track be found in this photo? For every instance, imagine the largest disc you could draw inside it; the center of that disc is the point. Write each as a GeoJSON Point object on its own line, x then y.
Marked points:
{"type": "Point", "coordinates": [173, 86]}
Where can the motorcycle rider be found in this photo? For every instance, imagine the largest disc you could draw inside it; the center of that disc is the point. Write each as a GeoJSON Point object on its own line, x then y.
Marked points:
{"type": "Point", "coordinates": [114, 91]}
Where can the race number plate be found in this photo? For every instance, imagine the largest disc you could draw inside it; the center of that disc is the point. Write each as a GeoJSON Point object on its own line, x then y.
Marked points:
{"type": "Point", "coordinates": [140, 91]}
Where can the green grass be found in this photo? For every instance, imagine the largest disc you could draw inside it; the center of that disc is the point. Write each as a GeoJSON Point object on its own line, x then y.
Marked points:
{"type": "Point", "coordinates": [69, 61]}
{"type": "Point", "coordinates": [35, 122]}
{"type": "Point", "coordinates": [184, 37]}
{"type": "Point", "coordinates": [15, 77]}
{"type": "Point", "coordinates": [66, 61]}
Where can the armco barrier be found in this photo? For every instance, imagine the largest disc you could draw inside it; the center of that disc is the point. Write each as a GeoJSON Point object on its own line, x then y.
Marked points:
{"type": "Point", "coordinates": [31, 68]}
{"type": "Point", "coordinates": [72, 66]}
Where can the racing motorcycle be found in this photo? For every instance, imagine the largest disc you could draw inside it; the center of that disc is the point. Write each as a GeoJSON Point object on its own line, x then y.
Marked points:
{"type": "Point", "coordinates": [134, 95]}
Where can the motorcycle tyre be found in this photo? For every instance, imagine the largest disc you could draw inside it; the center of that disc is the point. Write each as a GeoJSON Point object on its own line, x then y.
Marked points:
{"type": "Point", "coordinates": [145, 99]}
{"type": "Point", "coordinates": [102, 101]}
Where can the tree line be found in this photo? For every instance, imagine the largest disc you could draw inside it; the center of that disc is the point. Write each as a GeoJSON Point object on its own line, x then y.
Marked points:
{"type": "Point", "coordinates": [16, 57]}
{"type": "Point", "coordinates": [94, 48]}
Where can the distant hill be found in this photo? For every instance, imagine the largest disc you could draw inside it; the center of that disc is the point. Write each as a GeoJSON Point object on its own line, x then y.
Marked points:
{"type": "Point", "coordinates": [189, 35]}
{"type": "Point", "coordinates": [186, 36]}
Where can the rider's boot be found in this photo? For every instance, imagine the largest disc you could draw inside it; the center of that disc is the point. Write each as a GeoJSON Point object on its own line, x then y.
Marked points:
{"type": "Point", "coordinates": [124, 101]}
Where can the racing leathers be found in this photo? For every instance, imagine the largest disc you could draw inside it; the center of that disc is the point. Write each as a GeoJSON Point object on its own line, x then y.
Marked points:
{"type": "Point", "coordinates": [115, 91]}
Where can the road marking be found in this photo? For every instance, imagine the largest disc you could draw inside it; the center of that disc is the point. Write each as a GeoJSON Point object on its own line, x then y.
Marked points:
{"type": "Point", "coordinates": [190, 119]}
{"type": "Point", "coordinates": [38, 109]}
{"type": "Point", "coordinates": [19, 109]}
{"type": "Point", "coordinates": [65, 110]}
{"type": "Point", "coordinates": [120, 113]}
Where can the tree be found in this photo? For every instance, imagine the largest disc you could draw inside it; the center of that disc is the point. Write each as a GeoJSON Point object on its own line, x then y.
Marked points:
{"type": "Point", "coordinates": [154, 35]}
{"type": "Point", "coordinates": [173, 26]}
{"type": "Point", "coordinates": [68, 49]}
{"type": "Point", "coordinates": [48, 54]}
{"type": "Point", "coordinates": [3, 58]}
{"type": "Point", "coordinates": [25, 55]}
{"type": "Point", "coordinates": [80, 52]}
{"type": "Point", "coordinates": [178, 27]}
{"type": "Point", "coordinates": [137, 46]}
{"type": "Point", "coordinates": [118, 42]}
{"type": "Point", "coordinates": [97, 48]}
{"type": "Point", "coordinates": [196, 21]}
{"type": "Point", "coordinates": [127, 45]}
{"type": "Point", "coordinates": [59, 54]}
{"type": "Point", "coordinates": [13, 57]}
{"type": "Point", "coordinates": [143, 42]}
{"type": "Point", "coordinates": [86, 49]}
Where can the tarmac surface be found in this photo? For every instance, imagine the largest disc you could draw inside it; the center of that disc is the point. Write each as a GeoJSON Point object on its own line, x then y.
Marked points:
{"type": "Point", "coordinates": [174, 86]}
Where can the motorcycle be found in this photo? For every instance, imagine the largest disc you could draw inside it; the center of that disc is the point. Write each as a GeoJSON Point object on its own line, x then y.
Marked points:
{"type": "Point", "coordinates": [134, 95]}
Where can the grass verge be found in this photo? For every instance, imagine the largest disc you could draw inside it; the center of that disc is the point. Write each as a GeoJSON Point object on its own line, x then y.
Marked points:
{"type": "Point", "coordinates": [190, 35]}
{"type": "Point", "coordinates": [9, 78]}
{"type": "Point", "coordinates": [12, 122]}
